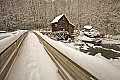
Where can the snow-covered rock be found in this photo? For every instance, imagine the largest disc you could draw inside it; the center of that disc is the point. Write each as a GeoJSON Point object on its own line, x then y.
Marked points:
{"type": "Point", "coordinates": [87, 27]}
{"type": "Point", "coordinates": [89, 34]}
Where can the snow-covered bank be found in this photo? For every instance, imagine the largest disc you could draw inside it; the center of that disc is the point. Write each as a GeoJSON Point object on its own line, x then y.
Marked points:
{"type": "Point", "coordinates": [110, 41]}
{"type": "Point", "coordinates": [4, 35]}
{"type": "Point", "coordinates": [6, 42]}
{"type": "Point", "coordinates": [33, 62]}
{"type": "Point", "coordinates": [99, 67]}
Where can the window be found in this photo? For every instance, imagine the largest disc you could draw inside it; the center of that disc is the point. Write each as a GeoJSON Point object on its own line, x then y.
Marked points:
{"type": "Point", "coordinates": [55, 25]}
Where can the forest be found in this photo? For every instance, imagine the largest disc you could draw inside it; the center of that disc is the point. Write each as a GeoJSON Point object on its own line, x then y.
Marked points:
{"type": "Point", "coordinates": [103, 15]}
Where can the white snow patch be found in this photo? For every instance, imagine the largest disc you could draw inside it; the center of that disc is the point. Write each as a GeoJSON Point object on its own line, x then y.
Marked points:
{"type": "Point", "coordinates": [116, 62]}
{"type": "Point", "coordinates": [87, 27]}
{"type": "Point", "coordinates": [85, 38]}
{"type": "Point", "coordinates": [90, 44]}
{"type": "Point", "coordinates": [57, 18]}
{"type": "Point", "coordinates": [97, 46]}
{"type": "Point", "coordinates": [100, 56]}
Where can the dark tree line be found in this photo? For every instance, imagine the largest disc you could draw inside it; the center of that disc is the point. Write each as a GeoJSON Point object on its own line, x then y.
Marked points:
{"type": "Point", "coordinates": [103, 15]}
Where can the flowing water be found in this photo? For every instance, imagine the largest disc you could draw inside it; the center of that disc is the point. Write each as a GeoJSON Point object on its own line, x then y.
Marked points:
{"type": "Point", "coordinates": [106, 50]}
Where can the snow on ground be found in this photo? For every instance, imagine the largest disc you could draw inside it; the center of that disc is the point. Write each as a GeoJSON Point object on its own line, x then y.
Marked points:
{"type": "Point", "coordinates": [85, 38]}
{"type": "Point", "coordinates": [116, 62]}
{"type": "Point", "coordinates": [4, 35]}
{"type": "Point", "coordinates": [99, 67]}
{"type": "Point", "coordinates": [110, 41]}
{"type": "Point", "coordinates": [4, 43]}
{"type": "Point", "coordinates": [32, 62]}
{"type": "Point", "coordinates": [88, 27]}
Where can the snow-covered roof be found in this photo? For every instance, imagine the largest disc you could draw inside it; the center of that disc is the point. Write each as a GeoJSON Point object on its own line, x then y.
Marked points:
{"type": "Point", "coordinates": [88, 27]}
{"type": "Point", "coordinates": [72, 24]}
{"type": "Point", "coordinates": [57, 18]}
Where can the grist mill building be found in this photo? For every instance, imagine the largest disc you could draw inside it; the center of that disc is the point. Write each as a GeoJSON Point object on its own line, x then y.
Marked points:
{"type": "Point", "coordinates": [61, 23]}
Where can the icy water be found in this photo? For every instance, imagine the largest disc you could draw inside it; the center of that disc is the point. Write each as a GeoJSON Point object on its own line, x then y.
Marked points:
{"type": "Point", "coordinates": [106, 50]}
